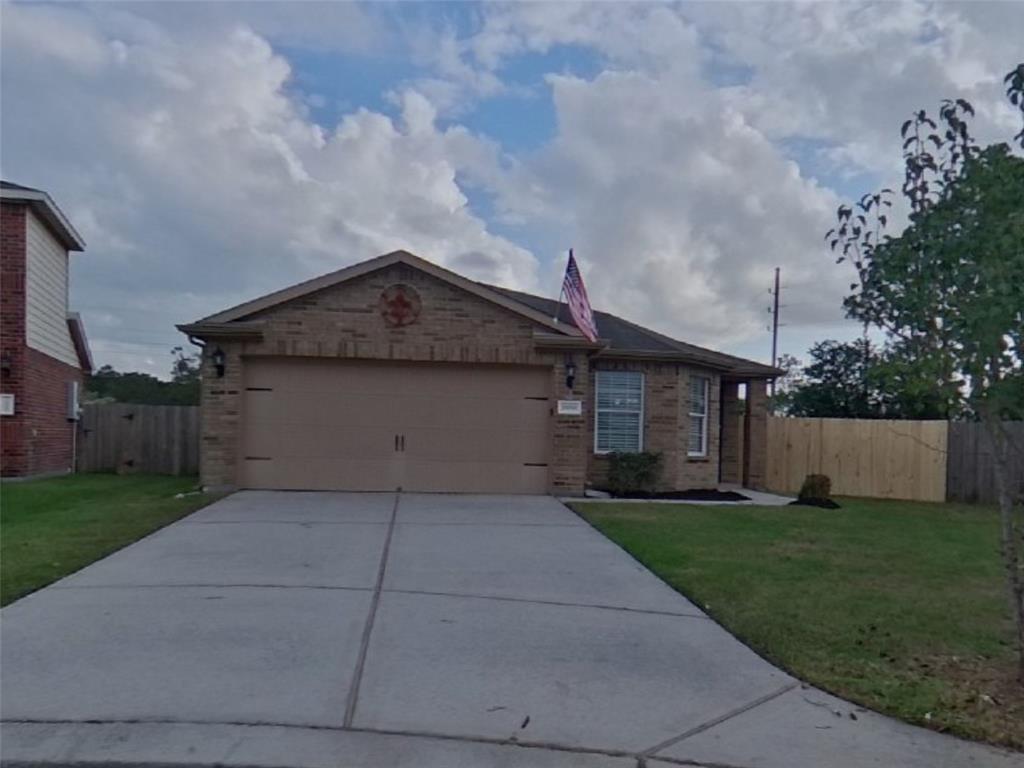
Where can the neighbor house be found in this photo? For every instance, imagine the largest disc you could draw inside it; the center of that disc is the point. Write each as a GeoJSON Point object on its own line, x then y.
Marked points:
{"type": "Point", "coordinates": [397, 373]}
{"type": "Point", "coordinates": [44, 355]}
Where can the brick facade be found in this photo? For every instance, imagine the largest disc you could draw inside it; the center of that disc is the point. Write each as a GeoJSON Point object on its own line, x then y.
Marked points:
{"type": "Point", "coordinates": [666, 424]}
{"type": "Point", "coordinates": [343, 322]}
{"type": "Point", "coordinates": [38, 438]}
{"type": "Point", "coordinates": [732, 430]}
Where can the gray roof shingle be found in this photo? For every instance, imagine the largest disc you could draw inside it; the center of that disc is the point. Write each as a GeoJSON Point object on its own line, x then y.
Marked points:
{"type": "Point", "coordinates": [622, 335]}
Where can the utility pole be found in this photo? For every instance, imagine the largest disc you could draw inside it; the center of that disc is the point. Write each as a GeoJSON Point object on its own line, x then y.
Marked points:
{"type": "Point", "coordinates": [775, 324]}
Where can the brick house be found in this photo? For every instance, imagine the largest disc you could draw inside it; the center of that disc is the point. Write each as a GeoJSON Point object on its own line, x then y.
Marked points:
{"type": "Point", "coordinates": [44, 354]}
{"type": "Point", "coordinates": [396, 373]}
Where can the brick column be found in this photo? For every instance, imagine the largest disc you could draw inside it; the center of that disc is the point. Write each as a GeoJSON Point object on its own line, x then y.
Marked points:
{"type": "Point", "coordinates": [756, 434]}
{"type": "Point", "coordinates": [732, 452]}
{"type": "Point", "coordinates": [221, 403]}
{"type": "Point", "coordinates": [569, 438]}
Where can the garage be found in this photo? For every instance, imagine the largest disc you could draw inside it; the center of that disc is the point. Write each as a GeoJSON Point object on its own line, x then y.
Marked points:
{"type": "Point", "coordinates": [378, 426]}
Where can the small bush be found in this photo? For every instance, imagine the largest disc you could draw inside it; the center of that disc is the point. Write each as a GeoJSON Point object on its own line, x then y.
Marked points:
{"type": "Point", "coordinates": [815, 488]}
{"type": "Point", "coordinates": [633, 472]}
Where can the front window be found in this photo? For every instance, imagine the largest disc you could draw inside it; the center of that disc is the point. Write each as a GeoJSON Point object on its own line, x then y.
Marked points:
{"type": "Point", "coordinates": [700, 386]}
{"type": "Point", "coordinates": [619, 415]}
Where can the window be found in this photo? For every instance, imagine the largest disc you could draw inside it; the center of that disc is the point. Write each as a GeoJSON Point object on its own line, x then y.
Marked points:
{"type": "Point", "coordinates": [699, 389]}
{"type": "Point", "coordinates": [619, 415]}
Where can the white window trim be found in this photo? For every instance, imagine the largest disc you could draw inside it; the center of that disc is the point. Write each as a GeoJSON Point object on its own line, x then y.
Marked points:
{"type": "Point", "coordinates": [643, 405]}
{"type": "Point", "coordinates": [706, 417]}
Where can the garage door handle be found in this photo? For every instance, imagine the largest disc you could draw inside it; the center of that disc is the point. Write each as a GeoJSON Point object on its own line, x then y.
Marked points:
{"type": "Point", "coordinates": [396, 442]}
{"type": "Point", "coordinates": [403, 443]}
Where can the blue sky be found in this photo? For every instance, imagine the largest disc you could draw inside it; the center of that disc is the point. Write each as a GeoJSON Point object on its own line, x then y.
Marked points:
{"type": "Point", "coordinates": [211, 152]}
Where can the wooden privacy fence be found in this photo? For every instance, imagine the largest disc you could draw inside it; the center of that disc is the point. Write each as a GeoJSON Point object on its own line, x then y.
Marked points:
{"type": "Point", "coordinates": [970, 475]}
{"type": "Point", "coordinates": [158, 439]}
{"type": "Point", "coordinates": [863, 457]}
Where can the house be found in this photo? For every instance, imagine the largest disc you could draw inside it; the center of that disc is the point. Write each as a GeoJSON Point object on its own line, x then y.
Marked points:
{"type": "Point", "coordinates": [44, 354]}
{"type": "Point", "coordinates": [397, 373]}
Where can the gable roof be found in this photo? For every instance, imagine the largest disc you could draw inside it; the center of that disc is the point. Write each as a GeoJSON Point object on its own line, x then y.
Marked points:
{"type": "Point", "coordinates": [627, 338]}
{"type": "Point", "coordinates": [619, 337]}
{"type": "Point", "coordinates": [366, 267]}
{"type": "Point", "coordinates": [44, 207]}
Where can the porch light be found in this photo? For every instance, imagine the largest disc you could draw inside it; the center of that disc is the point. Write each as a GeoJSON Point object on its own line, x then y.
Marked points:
{"type": "Point", "coordinates": [219, 361]}
{"type": "Point", "coordinates": [570, 373]}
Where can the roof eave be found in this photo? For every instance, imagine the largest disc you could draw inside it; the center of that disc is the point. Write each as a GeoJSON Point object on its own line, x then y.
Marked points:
{"type": "Point", "coordinates": [559, 341]}
{"type": "Point", "coordinates": [240, 331]}
{"type": "Point", "coordinates": [80, 341]}
{"type": "Point", "coordinates": [660, 355]}
{"type": "Point", "coordinates": [42, 204]}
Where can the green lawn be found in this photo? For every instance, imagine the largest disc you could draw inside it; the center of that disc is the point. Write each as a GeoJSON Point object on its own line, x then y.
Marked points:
{"type": "Point", "coordinates": [50, 528]}
{"type": "Point", "coordinates": [899, 606]}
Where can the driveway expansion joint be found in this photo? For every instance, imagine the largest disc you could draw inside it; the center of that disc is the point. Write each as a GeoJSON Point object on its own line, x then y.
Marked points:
{"type": "Point", "coordinates": [651, 752]}
{"type": "Point", "coordinates": [364, 647]}
{"type": "Point", "coordinates": [548, 746]}
{"type": "Point", "coordinates": [540, 601]}
{"type": "Point", "coordinates": [306, 523]}
{"type": "Point", "coordinates": [211, 586]}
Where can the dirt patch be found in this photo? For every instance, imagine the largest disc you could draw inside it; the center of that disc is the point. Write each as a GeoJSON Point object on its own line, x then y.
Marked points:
{"type": "Point", "coordinates": [983, 698]}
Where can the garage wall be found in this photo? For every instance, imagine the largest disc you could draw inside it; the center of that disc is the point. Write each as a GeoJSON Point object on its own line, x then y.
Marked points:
{"type": "Point", "coordinates": [344, 322]}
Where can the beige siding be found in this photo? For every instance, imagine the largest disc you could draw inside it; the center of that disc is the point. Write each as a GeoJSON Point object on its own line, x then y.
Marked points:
{"type": "Point", "coordinates": [46, 294]}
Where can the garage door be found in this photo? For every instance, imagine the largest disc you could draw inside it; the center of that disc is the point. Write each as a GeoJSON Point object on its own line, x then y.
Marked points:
{"type": "Point", "coordinates": [374, 426]}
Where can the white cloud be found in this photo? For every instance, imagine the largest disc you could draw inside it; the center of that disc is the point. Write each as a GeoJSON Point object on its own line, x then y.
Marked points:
{"type": "Point", "coordinates": [173, 136]}
{"type": "Point", "coordinates": [198, 182]}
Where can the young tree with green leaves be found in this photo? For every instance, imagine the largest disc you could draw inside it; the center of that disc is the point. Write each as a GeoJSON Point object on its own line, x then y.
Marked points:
{"type": "Point", "coordinates": [948, 291]}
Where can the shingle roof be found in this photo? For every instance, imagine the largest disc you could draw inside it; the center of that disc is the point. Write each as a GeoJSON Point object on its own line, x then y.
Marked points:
{"type": "Point", "coordinates": [624, 336]}
{"type": "Point", "coordinates": [21, 187]}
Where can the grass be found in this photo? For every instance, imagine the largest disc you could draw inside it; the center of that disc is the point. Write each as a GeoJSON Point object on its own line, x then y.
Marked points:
{"type": "Point", "coordinates": [899, 606]}
{"type": "Point", "coordinates": [50, 528]}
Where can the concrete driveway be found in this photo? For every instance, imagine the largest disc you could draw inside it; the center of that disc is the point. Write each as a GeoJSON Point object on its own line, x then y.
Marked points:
{"type": "Point", "coordinates": [332, 629]}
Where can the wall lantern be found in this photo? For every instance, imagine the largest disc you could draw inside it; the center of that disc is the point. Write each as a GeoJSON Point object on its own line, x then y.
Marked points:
{"type": "Point", "coordinates": [6, 361]}
{"type": "Point", "coordinates": [570, 373]}
{"type": "Point", "coordinates": [219, 360]}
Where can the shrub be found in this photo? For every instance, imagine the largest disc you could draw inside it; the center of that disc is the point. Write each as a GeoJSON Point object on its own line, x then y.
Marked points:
{"type": "Point", "coordinates": [633, 472]}
{"type": "Point", "coordinates": [815, 488]}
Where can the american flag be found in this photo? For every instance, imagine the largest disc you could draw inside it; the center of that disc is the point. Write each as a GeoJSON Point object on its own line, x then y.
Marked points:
{"type": "Point", "coordinates": [576, 296]}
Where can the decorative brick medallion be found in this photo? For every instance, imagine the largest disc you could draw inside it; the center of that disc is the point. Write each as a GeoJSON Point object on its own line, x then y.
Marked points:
{"type": "Point", "coordinates": [400, 305]}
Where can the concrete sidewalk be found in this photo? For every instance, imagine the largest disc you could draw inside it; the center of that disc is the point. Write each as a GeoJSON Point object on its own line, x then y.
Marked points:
{"type": "Point", "coordinates": [331, 629]}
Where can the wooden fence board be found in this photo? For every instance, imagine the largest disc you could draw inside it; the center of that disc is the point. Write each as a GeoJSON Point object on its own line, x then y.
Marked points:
{"type": "Point", "coordinates": [970, 473]}
{"type": "Point", "coordinates": [863, 457]}
{"type": "Point", "coordinates": [120, 437]}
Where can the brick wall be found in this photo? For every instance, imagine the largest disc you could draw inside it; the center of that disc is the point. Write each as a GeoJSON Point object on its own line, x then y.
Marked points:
{"type": "Point", "coordinates": [344, 322]}
{"type": "Point", "coordinates": [12, 332]}
{"type": "Point", "coordinates": [756, 435]}
{"type": "Point", "coordinates": [731, 447]}
{"type": "Point", "coordinates": [38, 438]}
{"type": "Point", "coordinates": [666, 425]}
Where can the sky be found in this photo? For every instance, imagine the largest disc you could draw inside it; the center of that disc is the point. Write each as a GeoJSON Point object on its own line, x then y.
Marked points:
{"type": "Point", "coordinates": [213, 152]}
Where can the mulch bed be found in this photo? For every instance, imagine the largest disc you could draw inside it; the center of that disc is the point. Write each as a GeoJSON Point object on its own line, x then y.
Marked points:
{"type": "Point", "coordinates": [696, 494]}
{"type": "Point", "coordinates": [823, 503]}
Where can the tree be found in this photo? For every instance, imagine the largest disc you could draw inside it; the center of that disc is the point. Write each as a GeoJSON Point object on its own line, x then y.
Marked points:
{"type": "Point", "coordinates": [185, 368]}
{"type": "Point", "coordinates": [857, 380]}
{"type": "Point", "coordinates": [948, 291]}
{"type": "Point", "coordinates": [145, 389]}
{"type": "Point", "coordinates": [780, 401]}
{"type": "Point", "coordinates": [838, 383]}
